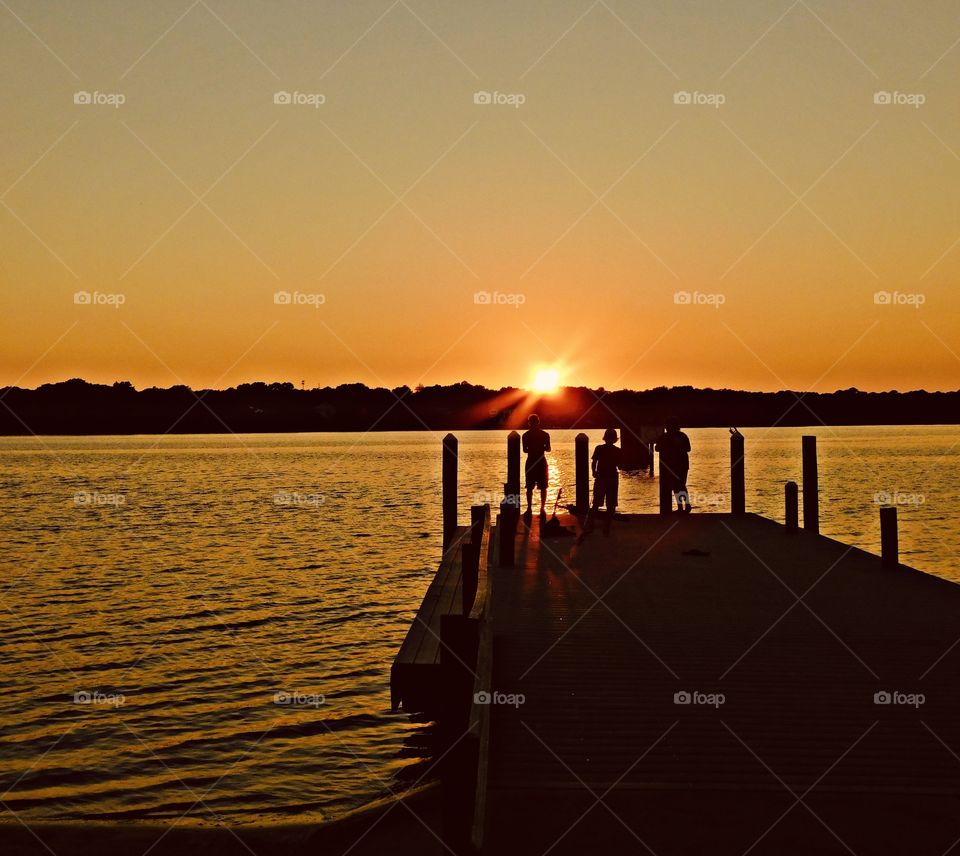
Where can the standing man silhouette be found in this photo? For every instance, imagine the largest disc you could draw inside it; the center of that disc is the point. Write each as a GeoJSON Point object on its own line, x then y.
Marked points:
{"type": "Point", "coordinates": [606, 481]}
{"type": "Point", "coordinates": [674, 449]}
{"type": "Point", "coordinates": [536, 443]}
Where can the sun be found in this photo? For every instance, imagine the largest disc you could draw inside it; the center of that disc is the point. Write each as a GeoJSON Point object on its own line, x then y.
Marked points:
{"type": "Point", "coordinates": [545, 381]}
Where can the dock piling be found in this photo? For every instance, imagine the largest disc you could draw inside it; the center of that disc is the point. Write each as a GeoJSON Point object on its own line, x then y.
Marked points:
{"type": "Point", "coordinates": [666, 495]}
{"type": "Point", "coordinates": [582, 471]}
{"type": "Point", "coordinates": [738, 502]}
{"type": "Point", "coordinates": [509, 520]}
{"type": "Point", "coordinates": [513, 463]}
{"type": "Point", "coordinates": [889, 546]}
{"type": "Point", "coordinates": [470, 557]}
{"type": "Point", "coordinates": [449, 475]}
{"type": "Point", "coordinates": [811, 485]}
{"type": "Point", "coordinates": [791, 495]}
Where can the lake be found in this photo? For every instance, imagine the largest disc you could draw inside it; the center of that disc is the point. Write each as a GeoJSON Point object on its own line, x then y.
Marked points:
{"type": "Point", "coordinates": [202, 627]}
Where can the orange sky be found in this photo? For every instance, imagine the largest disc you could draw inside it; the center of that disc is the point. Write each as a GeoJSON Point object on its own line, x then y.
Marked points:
{"type": "Point", "coordinates": [588, 213]}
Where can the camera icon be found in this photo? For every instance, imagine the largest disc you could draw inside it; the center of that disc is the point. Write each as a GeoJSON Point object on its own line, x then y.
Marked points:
{"type": "Point", "coordinates": [883, 497]}
{"type": "Point", "coordinates": [281, 697]}
{"type": "Point", "coordinates": [282, 97]}
{"type": "Point", "coordinates": [82, 298]}
{"type": "Point", "coordinates": [82, 697]}
{"type": "Point", "coordinates": [682, 97]}
{"type": "Point", "coordinates": [682, 298]}
{"type": "Point", "coordinates": [82, 97]}
{"type": "Point", "coordinates": [481, 698]}
{"type": "Point", "coordinates": [882, 298]}
{"type": "Point", "coordinates": [482, 298]}
{"type": "Point", "coordinates": [482, 97]}
{"type": "Point", "coordinates": [882, 97]}
{"type": "Point", "coordinates": [282, 298]}
{"type": "Point", "coordinates": [882, 697]}
{"type": "Point", "coordinates": [682, 697]}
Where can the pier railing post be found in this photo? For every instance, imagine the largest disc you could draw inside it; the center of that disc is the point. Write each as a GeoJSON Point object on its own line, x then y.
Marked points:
{"type": "Point", "coordinates": [889, 546]}
{"type": "Point", "coordinates": [509, 519]}
{"type": "Point", "coordinates": [666, 495]}
{"type": "Point", "coordinates": [791, 506]}
{"type": "Point", "coordinates": [811, 485]}
{"type": "Point", "coordinates": [449, 477]}
{"type": "Point", "coordinates": [510, 507]}
{"type": "Point", "coordinates": [458, 657]}
{"type": "Point", "coordinates": [513, 462]}
{"type": "Point", "coordinates": [738, 495]}
{"type": "Point", "coordinates": [581, 444]}
{"type": "Point", "coordinates": [470, 558]}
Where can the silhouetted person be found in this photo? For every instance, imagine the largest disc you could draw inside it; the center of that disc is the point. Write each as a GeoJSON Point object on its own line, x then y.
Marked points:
{"type": "Point", "coordinates": [674, 448]}
{"type": "Point", "coordinates": [607, 458]}
{"type": "Point", "coordinates": [536, 443]}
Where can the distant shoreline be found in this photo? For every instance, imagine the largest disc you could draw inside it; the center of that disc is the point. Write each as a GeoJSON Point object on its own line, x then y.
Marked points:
{"type": "Point", "coordinates": [79, 408]}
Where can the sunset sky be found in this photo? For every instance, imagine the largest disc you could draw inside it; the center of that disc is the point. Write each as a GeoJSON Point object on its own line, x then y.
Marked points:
{"type": "Point", "coordinates": [585, 220]}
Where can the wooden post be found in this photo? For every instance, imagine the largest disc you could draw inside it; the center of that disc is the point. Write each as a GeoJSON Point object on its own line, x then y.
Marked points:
{"type": "Point", "coordinates": [581, 444]}
{"type": "Point", "coordinates": [458, 656]}
{"type": "Point", "coordinates": [889, 548]}
{"type": "Point", "coordinates": [811, 485]}
{"type": "Point", "coordinates": [666, 495]}
{"type": "Point", "coordinates": [792, 506]}
{"type": "Point", "coordinates": [513, 463]}
{"type": "Point", "coordinates": [470, 558]}
{"type": "Point", "coordinates": [449, 503]}
{"type": "Point", "coordinates": [738, 501]}
{"type": "Point", "coordinates": [509, 519]}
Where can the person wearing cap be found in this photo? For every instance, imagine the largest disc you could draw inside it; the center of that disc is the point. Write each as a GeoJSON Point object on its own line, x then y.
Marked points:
{"type": "Point", "coordinates": [606, 480]}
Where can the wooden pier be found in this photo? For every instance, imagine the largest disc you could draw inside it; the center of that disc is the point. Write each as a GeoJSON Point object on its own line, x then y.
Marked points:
{"type": "Point", "coordinates": [707, 683]}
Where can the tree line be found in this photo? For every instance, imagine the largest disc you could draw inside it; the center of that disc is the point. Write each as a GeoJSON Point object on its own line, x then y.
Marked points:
{"type": "Point", "coordinates": [78, 407]}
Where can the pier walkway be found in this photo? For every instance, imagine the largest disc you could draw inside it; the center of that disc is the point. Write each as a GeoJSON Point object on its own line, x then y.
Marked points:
{"type": "Point", "coordinates": [709, 683]}
{"type": "Point", "coordinates": [780, 641]}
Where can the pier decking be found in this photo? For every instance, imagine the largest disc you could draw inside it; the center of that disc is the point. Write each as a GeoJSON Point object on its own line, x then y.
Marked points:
{"type": "Point", "coordinates": [706, 683]}
{"type": "Point", "coordinates": [796, 633]}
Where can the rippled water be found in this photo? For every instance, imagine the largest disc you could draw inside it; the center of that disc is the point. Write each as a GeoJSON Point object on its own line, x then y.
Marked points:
{"type": "Point", "coordinates": [178, 584]}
